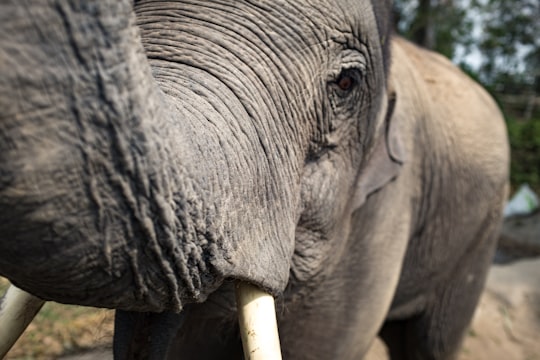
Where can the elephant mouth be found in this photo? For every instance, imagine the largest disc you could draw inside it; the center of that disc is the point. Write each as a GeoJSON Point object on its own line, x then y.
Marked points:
{"type": "Point", "coordinates": [256, 319]}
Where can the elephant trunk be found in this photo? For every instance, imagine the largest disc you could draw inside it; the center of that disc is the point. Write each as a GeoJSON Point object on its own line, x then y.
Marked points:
{"type": "Point", "coordinates": [114, 193]}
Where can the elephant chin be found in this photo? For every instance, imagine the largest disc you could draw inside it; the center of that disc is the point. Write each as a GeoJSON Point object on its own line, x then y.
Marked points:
{"type": "Point", "coordinates": [256, 315]}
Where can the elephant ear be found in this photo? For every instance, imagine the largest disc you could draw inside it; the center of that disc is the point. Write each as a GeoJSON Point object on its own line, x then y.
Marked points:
{"type": "Point", "coordinates": [387, 157]}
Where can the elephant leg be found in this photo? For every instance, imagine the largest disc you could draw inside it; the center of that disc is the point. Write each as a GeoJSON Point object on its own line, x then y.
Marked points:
{"type": "Point", "coordinates": [152, 332]}
{"type": "Point", "coordinates": [163, 336]}
{"type": "Point", "coordinates": [437, 331]}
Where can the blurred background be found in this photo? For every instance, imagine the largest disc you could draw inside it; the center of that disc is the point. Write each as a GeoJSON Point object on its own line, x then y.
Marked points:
{"type": "Point", "coordinates": [497, 42]}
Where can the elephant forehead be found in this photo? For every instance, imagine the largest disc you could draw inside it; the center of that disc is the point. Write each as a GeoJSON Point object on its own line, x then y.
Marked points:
{"type": "Point", "coordinates": [305, 22]}
{"type": "Point", "coordinates": [280, 50]}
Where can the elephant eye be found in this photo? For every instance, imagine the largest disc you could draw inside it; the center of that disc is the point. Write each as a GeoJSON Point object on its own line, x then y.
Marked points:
{"type": "Point", "coordinates": [347, 74]}
{"type": "Point", "coordinates": [345, 82]}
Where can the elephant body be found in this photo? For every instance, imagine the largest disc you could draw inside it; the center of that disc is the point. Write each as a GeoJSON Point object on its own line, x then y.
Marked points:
{"type": "Point", "coordinates": [155, 153]}
{"type": "Point", "coordinates": [417, 252]}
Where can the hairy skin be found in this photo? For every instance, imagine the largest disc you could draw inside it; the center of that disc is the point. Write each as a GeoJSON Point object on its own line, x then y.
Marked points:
{"type": "Point", "coordinates": [153, 153]}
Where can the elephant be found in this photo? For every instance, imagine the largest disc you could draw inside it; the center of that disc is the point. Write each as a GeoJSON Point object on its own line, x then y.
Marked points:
{"type": "Point", "coordinates": [154, 154]}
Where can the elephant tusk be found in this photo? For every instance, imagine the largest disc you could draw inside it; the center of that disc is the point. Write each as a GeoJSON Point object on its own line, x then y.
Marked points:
{"type": "Point", "coordinates": [17, 309]}
{"type": "Point", "coordinates": [258, 324]}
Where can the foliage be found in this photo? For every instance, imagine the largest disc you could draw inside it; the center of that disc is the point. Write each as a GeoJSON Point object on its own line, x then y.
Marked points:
{"type": "Point", "coordinates": [504, 35]}
{"type": "Point", "coordinates": [510, 44]}
{"type": "Point", "coordinates": [439, 25]}
{"type": "Point", "coordinates": [525, 146]}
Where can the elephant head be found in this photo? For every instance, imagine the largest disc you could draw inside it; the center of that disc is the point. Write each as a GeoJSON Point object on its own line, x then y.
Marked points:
{"type": "Point", "coordinates": [152, 152]}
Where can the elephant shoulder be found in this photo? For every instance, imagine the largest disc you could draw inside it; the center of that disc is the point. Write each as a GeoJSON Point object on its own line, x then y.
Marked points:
{"type": "Point", "coordinates": [464, 126]}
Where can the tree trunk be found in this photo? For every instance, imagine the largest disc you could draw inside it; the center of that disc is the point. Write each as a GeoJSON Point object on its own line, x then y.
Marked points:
{"type": "Point", "coordinates": [423, 27]}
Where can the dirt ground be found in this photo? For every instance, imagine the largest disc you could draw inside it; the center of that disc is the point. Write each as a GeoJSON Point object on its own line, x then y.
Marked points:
{"type": "Point", "coordinates": [506, 325]}
{"type": "Point", "coordinates": [507, 322]}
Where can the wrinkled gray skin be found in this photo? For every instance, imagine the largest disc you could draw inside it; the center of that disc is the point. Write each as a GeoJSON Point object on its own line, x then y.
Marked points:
{"type": "Point", "coordinates": [149, 158]}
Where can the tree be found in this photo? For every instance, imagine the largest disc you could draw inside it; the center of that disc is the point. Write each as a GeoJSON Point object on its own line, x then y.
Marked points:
{"type": "Point", "coordinates": [510, 39]}
{"type": "Point", "coordinates": [440, 25]}
{"type": "Point", "coordinates": [504, 35]}
{"type": "Point", "coordinates": [511, 45]}
{"type": "Point", "coordinates": [507, 39]}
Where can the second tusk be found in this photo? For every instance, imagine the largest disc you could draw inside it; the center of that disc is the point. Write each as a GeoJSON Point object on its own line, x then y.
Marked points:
{"type": "Point", "coordinates": [258, 324]}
